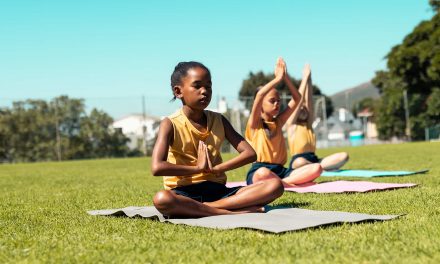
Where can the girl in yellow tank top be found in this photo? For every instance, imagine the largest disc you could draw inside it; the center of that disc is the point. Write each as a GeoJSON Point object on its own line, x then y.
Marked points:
{"type": "Point", "coordinates": [187, 154]}
{"type": "Point", "coordinates": [300, 135]}
{"type": "Point", "coordinates": [264, 133]}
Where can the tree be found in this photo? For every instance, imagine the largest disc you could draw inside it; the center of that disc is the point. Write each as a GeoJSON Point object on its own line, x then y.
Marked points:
{"type": "Point", "coordinates": [36, 130]}
{"type": "Point", "coordinates": [433, 103]}
{"type": "Point", "coordinates": [413, 66]}
{"type": "Point", "coordinates": [435, 4]}
{"type": "Point", "coordinates": [98, 139]}
{"type": "Point", "coordinates": [254, 80]}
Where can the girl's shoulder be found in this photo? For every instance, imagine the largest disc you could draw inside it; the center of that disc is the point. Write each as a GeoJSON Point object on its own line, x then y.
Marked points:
{"type": "Point", "coordinates": [175, 115]}
{"type": "Point", "coordinates": [213, 116]}
{"type": "Point", "coordinates": [212, 113]}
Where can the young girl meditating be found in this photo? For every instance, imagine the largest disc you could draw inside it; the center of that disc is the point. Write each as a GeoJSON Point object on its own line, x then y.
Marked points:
{"type": "Point", "coordinates": [300, 135]}
{"type": "Point", "coordinates": [187, 154]}
{"type": "Point", "coordinates": [264, 132]}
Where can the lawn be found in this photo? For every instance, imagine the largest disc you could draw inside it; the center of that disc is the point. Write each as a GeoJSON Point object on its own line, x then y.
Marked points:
{"type": "Point", "coordinates": [43, 216]}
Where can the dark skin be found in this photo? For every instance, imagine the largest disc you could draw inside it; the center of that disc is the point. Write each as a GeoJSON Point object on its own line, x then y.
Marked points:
{"type": "Point", "coordinates": [195, 92]}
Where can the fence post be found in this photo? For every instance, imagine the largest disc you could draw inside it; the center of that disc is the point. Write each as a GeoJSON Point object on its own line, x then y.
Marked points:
{"type": "Point", "coordinates": [408, 126]}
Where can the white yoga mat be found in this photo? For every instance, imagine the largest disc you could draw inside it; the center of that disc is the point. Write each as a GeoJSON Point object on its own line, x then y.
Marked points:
{"type": "Point", "coordinates": [274, 221]}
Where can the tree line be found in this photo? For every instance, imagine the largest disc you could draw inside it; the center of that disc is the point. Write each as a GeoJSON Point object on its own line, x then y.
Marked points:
{"type": "Point", "coordinates": [59, 129]}
{"type": "Point", "coordinates": [411, 81]}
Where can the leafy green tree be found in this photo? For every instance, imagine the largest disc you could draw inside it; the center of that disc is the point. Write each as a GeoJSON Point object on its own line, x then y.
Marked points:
{"type": "Point", "coordinates": [254, 80]}
{"type": "Point", "coordinates": [435, 4]}
{"type": "Point", "coordinates": [98, 139]}
{"type": "Point", "coordinates": [433, 103]}
{"type": "Point", "coordinates": [36, 130]}
{"type": "Point", "coordinates": [414, 66]}
{"type": "Point", "coordinates": [66, 116]}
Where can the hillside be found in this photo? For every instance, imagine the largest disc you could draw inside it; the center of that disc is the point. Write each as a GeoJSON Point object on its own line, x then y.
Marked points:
{"type": "Point", "coordinates": [353, 95]}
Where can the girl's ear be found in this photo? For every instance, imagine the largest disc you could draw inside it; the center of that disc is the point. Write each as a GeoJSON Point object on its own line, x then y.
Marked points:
{"type": "Point", "coordinates": [178, 91]}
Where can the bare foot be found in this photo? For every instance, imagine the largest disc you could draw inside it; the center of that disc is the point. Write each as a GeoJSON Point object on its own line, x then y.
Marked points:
{"type": "Point", "coordinates": [290, 185]}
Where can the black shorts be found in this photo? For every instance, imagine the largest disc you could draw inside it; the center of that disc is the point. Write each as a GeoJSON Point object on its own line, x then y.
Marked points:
{"type": "Point", "coordinates": [278, 169]}
{"type": "Point", "coordinates": [309, 156]}
{"type": "Point", "coordinates": [206, 191]}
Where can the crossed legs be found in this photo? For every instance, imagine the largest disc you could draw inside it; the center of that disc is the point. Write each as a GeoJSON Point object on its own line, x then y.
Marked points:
{"type": "Point", "coordinates": [305, 174]}
{"type": "Point", "coordinates": [248, 199]}
{"type": "Point", "coordinates": [332, 162]}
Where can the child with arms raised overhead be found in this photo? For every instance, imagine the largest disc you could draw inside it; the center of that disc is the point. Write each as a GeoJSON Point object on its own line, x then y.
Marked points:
{"type": "Point", "coordinates": [187, 154]}
{"type": "Point", "coordinates": [264, 132]}
{"type": "Point", "coordinates": [301, 138]}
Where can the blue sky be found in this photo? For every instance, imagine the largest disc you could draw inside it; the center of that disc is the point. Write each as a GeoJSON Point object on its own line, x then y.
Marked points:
{"type": "Point", "coordinates": [113, 52]}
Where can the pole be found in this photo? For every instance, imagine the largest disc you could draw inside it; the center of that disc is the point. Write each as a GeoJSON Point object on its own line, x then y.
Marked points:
{"type": "Point", "coordinates": [144, 128]}
{"type": "Point", "coordinates": [57, 131]}
{"type": "Point", "coordinates": [324, 118]}
{"type": "Point", "coordinates": [347, 100]}
{"type": "Point", "coordinates": [405, 103]}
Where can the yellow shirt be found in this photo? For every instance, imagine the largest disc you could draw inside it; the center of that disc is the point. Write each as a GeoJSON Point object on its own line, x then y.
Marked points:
{"type": "Point", "coordinates": [183, 151]}
{"type": "Point", "coordinates": [303, 140]}
{"type": "Point", "coordinates": [268, 143]}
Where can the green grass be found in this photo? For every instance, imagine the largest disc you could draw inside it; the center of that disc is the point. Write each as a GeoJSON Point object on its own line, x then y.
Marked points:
{"type": "Point", "coordinates": [43, 216]}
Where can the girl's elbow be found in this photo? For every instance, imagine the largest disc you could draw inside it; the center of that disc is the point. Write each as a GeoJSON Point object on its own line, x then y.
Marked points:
{"type": "Point", "coordinates": [155, 169]}
{"type": "Point", "coordinates": [252, 156]}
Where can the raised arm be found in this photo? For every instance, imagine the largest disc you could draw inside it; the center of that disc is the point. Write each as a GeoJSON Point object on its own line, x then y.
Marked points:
{"type": "Point", "coordinates": [309, 98]}
{"type": "Point", "coordinates": [293, 103]}
{"type": "Point", "coordinates": [256, 107]}
{"type": "Point", "coordinates": [159, 164]}
{"type": "Point", "coordinates": [303, 92]}
{"type": "Point", "coordinates": [246, 152]}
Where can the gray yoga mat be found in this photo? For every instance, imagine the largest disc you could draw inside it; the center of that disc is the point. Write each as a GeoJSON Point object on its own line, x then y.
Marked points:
{"type": "Point", "coordinates": [275, 220]}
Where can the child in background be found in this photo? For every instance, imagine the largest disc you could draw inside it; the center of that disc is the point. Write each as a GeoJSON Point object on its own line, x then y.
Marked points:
{"type": "Point", "coordinates": [264, 132]}
{"type": "Point", "coordinates": [300, 135]}
{"type": "Point", "coordinates": [187, 154]}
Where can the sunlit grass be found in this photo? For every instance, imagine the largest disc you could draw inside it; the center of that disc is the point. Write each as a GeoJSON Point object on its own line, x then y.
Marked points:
{"type": "Point", "coordinates": [43, 216]}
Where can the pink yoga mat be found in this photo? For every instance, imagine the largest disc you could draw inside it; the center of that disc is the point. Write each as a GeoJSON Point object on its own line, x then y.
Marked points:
{"type": "Point", "coordinates": [338, 186]}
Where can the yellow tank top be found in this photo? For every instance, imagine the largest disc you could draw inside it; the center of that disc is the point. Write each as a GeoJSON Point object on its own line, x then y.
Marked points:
{"type": "Point", "coordinates": [303, 140]}
{"type": "Point", "coordinates": [268, 142]}
{"type": "Point", "coordinates": [183, 151]}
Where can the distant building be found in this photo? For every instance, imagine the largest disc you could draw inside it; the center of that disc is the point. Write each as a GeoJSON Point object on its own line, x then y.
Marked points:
{"type": "Point", "coordinates": [369, 129]}
{"type": "Point", "coordinates": [133, 127]}
{"type": "Point", "coordinates": [337, 132]}
{"type": "Point", "coordinates": [222, 105]}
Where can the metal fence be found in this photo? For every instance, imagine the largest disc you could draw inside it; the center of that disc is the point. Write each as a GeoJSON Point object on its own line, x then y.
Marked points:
{"type": "Point", "coordinates": [432, 133]}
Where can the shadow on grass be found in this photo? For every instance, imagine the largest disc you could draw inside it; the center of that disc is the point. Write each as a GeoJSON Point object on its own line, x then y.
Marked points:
{"type": "Point", "coordinates": [268, 208]}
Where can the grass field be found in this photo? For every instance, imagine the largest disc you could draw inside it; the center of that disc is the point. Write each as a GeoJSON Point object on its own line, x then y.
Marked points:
{"type": "Point", "coordinates": [43, 216]}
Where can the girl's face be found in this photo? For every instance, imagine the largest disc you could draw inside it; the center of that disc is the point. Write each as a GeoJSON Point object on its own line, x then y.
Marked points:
{"type": "Point", "coordinates": [303, 114]}
{"type": "Point", "coordinates": [271, 103]}
{"type": "Point", "coordinates": [195, 88]}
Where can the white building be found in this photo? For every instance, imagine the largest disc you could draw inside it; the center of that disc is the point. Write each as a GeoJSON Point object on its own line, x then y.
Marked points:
{"type": "Point", "coordinates": [133, 127]}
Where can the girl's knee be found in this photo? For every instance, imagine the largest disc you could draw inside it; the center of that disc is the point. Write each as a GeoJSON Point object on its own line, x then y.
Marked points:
{"type": "Point", "coordinates": [262, 174]}
{"type": "Point", "coordinates": [344, 156]}
{"type": "Point", "coordinates": [164, 200]}
{"type": "Point", "coordinates": [275, 187]}
{"type": "Point", "coordinates": [299, 162]}
{"type": "Point", "coordinates": [315, 169]}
